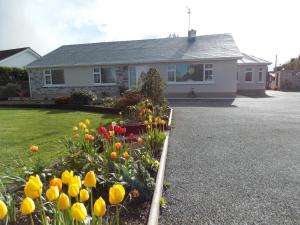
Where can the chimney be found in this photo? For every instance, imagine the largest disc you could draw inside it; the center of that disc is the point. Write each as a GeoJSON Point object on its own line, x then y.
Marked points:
{"type": "Point", "coordinates": [192, 35]}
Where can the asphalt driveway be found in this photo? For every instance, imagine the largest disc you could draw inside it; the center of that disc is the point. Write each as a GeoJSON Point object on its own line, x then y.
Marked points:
{"type": "Point", "coordinates": [235, 162]}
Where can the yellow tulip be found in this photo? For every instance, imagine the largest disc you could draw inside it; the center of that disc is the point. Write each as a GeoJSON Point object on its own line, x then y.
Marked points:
{"type": "Point", "coordinates": [33, 187]}
{"type": "Point", "coordinates": [162, 122]}
{"type": "Point", "coordinates": [73, 190]}
{"type": "Point", "coordinates": [82, 125]}
{"type": "Point", "coordinates": [116, 194]}
{"type": "Point", "coordinates": [90, 179]}
{"type": "Point", "coordinates": [86, 130]}
{"type": "Point", "coordinates": [99, 207]}
{"type": "Point", "coordinates": [27, 206]}
{"type": "Point", "coordinates": [84, 195]}
{"type": "Point", "coordinates": [78, 211]}
{"type": "Point", "coordinates": [87, 122]}
{"type": "Point", "coordinates": [63, 201]}
{"type": "Point", "coordinates": [75, 128]}
{"type": "Point", "coordinates": [3, 210]}
{"type": "Point", "coordinates": [146, 122]}
{"type": "Point", "coordinates": [56, 182]}
{"type": "Point", "coordinates": [67, 176]}
{"type": "Point", "coordinates": [52, 193]}
{"type": "Point", "coordinates": [75, 180]}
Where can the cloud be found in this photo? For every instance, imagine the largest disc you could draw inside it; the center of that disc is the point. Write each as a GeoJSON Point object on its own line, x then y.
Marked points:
{"type": "Point", "coordinates": [260, 27]}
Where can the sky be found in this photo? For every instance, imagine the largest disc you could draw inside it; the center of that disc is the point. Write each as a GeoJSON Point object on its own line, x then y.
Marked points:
{"type": "Point", "coordinates": [262, 28]}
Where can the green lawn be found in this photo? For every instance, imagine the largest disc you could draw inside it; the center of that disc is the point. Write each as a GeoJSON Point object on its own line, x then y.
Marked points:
{"type": "Point", "coordinates": [47, 128]}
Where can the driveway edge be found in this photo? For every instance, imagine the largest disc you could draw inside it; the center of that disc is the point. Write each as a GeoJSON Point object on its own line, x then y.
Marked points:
{"type": "Point", "coordinates": [155, 204]}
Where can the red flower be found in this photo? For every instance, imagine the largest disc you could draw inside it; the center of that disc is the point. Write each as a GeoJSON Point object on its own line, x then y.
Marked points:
{"type": "Point", "coordinates": [107, 136]}
{"type": "Point", "coordinates": [131, 135]}
{"type": "Point", "coordinates": [119, 130]}
{"type": "Point", "coordinates": [102, 130]}
{"type": "Point", "coordinates": [118, 146]}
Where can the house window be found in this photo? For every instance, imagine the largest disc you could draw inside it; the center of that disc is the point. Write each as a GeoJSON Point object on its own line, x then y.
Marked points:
{"type": "Point", "coordinates": [260, 75]}
{"type": "Point", "coordinates": [190, 73]}
{"type": "Point", "coordinates": [54, 77]}
{"type": "Point", "coordinates": [104, 75]}
{"type": "Point", "coordinates": [248, 75]}
{"type": "Point", "coordinates": [208, 71]}
{"type": "Point", "coordinates": [171, 73]}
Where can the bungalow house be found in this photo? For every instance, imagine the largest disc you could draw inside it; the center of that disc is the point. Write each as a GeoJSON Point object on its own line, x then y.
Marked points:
{"type": "Point", "coordinates": [199, 66]}
{"type": "Point", "coordinates": [18, 57]}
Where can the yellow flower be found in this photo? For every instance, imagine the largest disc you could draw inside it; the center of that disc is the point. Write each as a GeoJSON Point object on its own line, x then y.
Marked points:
{"type": "Point", "coordinates": [63, 201]}
{"type": "Point", "coordinates": [90, 179]}
{"type": "Point", "coordinates": [3, 210]}
{"type": "Point", "coordinates": [140, 140]}
{"type": "Point", "coordinates": [148, 127]}
{"type": "Point", "coordinates": [82, 125]}
{"type": "Point", "coordinates": [84, 195]}
{"type": "Point", "coordinates": [162, 122]}
{"type": "Point", "coordinates": [78, 211]}
{"type": "Point", "coordinates": [86, 130]}
{"type": "Point", "coordinates": [99, 207]}
{"type": "Point", "coordinates": [87, 122]}
{"type": "Point", "coordinates": [150, 120]}
{"type": "Point", "coordinates": [33, 187]}
{"type": "Point", "coordinates": [76, 136]}
{"type": "Point", "coordinates": [27, 206]}
{"type": "Point", "coordinates": [116, 194]}
{"type": "Point", "coordinates": [73, 190]}
{"type": "Point", "coordinates": [75, 128]}
{"type": "Point", "coordinates": [56, 182]}
{"type": "Point", "coordinates": [67, 176]}
{"type": "Point", "coordinates": [34, 148]}
{"type": "Point", "coordinates": [52, 193]}
{"type": "Point", "coordinates": [146, 122]}
{"type": "Point", "coordinates": [75, 180]}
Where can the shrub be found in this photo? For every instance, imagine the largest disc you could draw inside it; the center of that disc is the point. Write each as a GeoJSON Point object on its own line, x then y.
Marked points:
{"type": "Point", "coordinates": [62, 100]}
{"type": "Point", "coordinates": [12, 75]}
{"type": "Point", "coordinates": [11, 90]}
{"type": "Point", "coordinates": [153, 86]}
{"type": "Point", "coordinates": [110, 102]}
{"type": "Point", "coordinates": [129, 98]}
{"type": "Point", "coordinates": [83, 97]}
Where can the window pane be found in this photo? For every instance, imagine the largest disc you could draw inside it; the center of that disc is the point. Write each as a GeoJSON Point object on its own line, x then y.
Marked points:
{"type": "Point", "coordinates": [171, 75]}
{"type": "Point", "coordinates": [208, 75]}
{"type": "Point", "coordinates": [193, 72]}
{"type": "Point", "coordinates": [107, 75]}
{"type": "Point", "coordinates": [58, 76]}
{"type": "Point", "coordinates": [96, 70]}
{"type": "Point", "coordinates": [132, 76]}
{"type": "Point", "coordinates": [248, 76]}
{"type": "Point", "coordinates": [48, 79]}
{"type": "Point", "coordinates": [171, 67]}
{"type": "Point", "coordinates": [249, 69]}
{"type": "Point", "coordinates": [97, 78]}
{"type": "Point", "coordinates": [208, 66]}
{"type": "Point", "coordinates": [47, 72]}
{"type": "Point", "coordinates": [260, 76]}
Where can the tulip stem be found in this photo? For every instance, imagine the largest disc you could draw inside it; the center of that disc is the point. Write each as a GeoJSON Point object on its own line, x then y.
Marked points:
{"type": "Point", "coordinates": [44, 221]}
{"type": "Point", "coordinates": [118, 215]}
{"type": "Point", "coordinates": [31, 219]}
{"type": "Point", "coordinates": [92, 211]}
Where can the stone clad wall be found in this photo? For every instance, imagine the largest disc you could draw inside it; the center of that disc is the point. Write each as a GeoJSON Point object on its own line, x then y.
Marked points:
{"type": "Point", "coordinates": [39, 91]}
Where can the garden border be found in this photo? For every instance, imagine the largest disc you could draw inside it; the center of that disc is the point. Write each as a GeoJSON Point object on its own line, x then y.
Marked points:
{"type": "Point", "coordinates": [84, 108]}
{"type": "Point", "coordinates": [155, 204]}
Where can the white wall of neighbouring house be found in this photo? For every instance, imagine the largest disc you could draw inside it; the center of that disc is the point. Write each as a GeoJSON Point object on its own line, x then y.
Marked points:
{"type": "Point", "coordinates": [255, 84]}
{"type": "Point", "coordinates": [20, 59]}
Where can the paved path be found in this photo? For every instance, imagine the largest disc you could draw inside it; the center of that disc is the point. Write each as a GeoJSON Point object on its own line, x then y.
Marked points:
{"type": "Point", "coordinates": [235, 162]}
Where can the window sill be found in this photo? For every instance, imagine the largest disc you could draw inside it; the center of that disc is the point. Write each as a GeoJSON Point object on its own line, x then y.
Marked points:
{"type": "Point", "coordinates": [55, 85]}
{"type": "Point", "coordinates": [105, 84]}
{"type": "Point", "coordinates": [193, 82]}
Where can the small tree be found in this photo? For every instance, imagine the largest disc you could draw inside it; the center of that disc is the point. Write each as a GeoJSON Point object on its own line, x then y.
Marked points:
{"type": "Point", "coordinates": [153, 86]}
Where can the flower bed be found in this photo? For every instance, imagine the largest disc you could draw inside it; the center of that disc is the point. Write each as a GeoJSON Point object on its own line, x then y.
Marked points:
{"type": "Point", "coordinates": [118, 168]}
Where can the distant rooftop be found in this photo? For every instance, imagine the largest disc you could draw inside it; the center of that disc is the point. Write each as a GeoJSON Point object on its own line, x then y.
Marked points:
{"type": "Point", "coordinates": [250, 59]}
{"type": "Point", "coordinates": [10, 52]}
{"type": "Point", "coordinates": [218, 46]}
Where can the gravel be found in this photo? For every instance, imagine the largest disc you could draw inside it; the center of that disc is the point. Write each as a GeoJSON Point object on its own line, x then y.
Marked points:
{"type": "Point", "coordinates": [235, 162]}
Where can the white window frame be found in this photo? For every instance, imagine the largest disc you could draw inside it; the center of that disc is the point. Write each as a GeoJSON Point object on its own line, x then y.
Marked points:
{"type": "Point", "coordinates": [260, 72]}
{"type": "Point", "coordinates": [171, 70]}
{"type": "Point", "coordinates": [50, 75]}
{"type": "Point", "coordinates": [247, 71]}
{"type": "Point", "coordinates": [192, 82]}
{"type": "Point", "coordinates": [100, 76]}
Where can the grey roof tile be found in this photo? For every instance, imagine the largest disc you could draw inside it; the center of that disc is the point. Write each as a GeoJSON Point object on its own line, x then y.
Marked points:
{"type": "Point", "coordinates": [142, 51]}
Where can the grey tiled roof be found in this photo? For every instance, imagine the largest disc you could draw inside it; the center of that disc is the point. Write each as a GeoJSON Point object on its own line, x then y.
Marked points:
{"type": "Point", "coordinates": [142, 51]}
{"type": "Point", "coordinates": [250, 59]}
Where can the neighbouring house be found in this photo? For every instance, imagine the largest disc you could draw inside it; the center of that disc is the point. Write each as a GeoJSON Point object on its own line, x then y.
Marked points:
{"type": "Point", "coordinates": [18, 57]}
{"type": "Point", "coordinates": [285, 79]}
{"type": "Point", "coordinates": [252, 75]}
{"type": "Point", "coordinates": [193, 66]}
